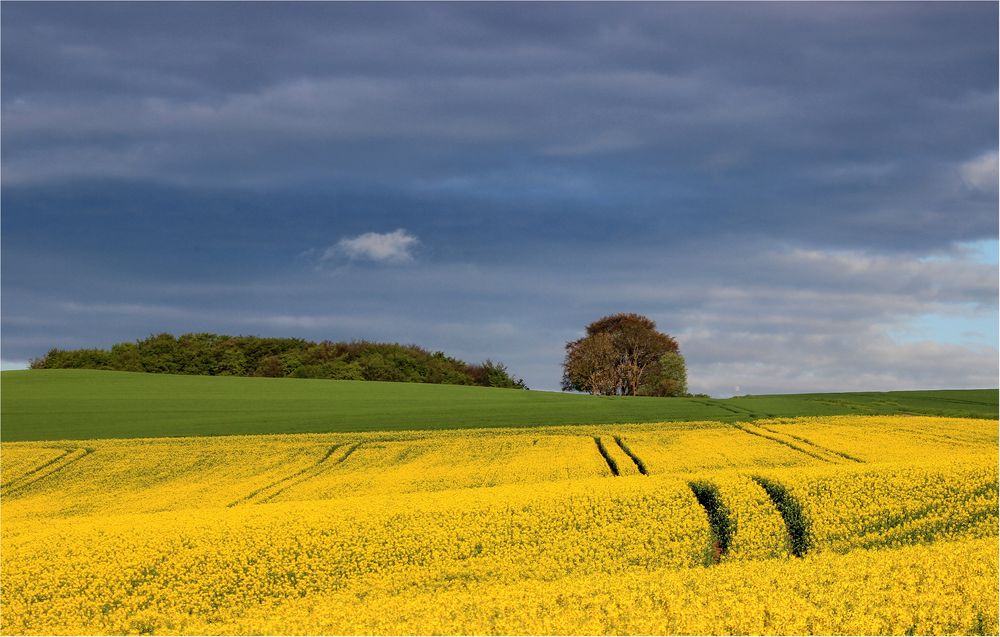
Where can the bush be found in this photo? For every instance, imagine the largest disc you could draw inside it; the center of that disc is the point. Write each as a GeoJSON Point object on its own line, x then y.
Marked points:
{"type": "Point", "coordinates": [496, 375]}
{"type": "Point", "coordinates": [270, 367]}
{"type": "Point", "coordinates": [74, 359]}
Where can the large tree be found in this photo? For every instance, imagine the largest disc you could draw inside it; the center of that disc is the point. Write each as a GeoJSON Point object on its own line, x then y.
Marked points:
{"type": "Point", "coordinates": [591, 365]}
{"type": "Point", "coordinates": [624, 354]}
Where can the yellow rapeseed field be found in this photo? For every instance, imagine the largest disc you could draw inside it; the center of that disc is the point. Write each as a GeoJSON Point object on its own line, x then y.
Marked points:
{"type": "Point", "coordinates": [785, 526]}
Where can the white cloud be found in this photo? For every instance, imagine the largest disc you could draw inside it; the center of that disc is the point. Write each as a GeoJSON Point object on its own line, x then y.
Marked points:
{"type": "Point", "coordinates": [981, 173]}
{"type": "Point", "coordinates": [390, 247]}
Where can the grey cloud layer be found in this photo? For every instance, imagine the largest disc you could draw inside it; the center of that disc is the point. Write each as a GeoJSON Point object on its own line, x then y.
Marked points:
{"type": "Point", "coordinates": [781, 184]}
{"type": "Point", "coordinates": [853, 122]}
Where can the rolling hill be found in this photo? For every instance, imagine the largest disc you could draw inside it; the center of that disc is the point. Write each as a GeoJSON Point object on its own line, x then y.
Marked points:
{"type": "Point", "coordinates": [85, 404]}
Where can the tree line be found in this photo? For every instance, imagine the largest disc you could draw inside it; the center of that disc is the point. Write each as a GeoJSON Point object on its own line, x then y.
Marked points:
{"type": "Point", "coordinates": [220, 355]}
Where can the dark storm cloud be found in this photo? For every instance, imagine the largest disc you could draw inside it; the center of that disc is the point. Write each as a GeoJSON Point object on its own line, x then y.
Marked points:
{"type": "Point", "coordinates": [718, 165]}
{"type": "Point", "coordinates": [847, 124]}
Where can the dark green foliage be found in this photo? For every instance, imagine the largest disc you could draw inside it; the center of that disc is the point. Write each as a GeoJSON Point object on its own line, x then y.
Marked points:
{"type": "Point", "coordinates": [718, 518]}
{"type": "Point", "coordinates": [639, 464]}
{"type": "Point", "coordinates": [667, 378]}
{"type": "Point", "coordinates": [491, 374]}
{"type": "Point", "coordinates": [74, 359]}
{"type": "Point", "coordinates": [158, 354]}
{"type": "Point", "coordinates": [271, 367]}
{"type": "Point", "coordinates": [218, 355]}
{"type": "Point", "coordinates": [791, 512]}
{"type": "Point", "coordinates": [979, 627]}
{"type": "Point", "coordinates": [125, 357]}
{"type": "Point", "coordinates": [612, 465]}
{"type": "Point", "coordinates": [337, 370]}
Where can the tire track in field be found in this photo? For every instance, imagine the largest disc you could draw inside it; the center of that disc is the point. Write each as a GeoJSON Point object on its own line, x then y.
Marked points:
{"type": "Point", "coordinates": [272, 490]}
{"type": "Point", "coordinates": [749, 412]}
{"type": "Point", "coordinates": [708, 403]}
{"type": "Point", "coordinates": [934, 436]}
{"type": "Point", "coordinates": [744, 427]}
{"type": "Point", "coordinates": [843, 455]}
{"type": "Point", "coordinates": [855, 408]}
{"type": "Point", "coordinates": [65, 452]}
{"type": "Point", "coordinates": [791, 512]}
{"type": "Point", "coordinates": [601, 449]}
{"type": "Point", "coordinates": [965, 402]}
{"type": "Point", "coordinates": [734, 409]}
{"type": "Point", "coordinates": [319, 468]}
{"type": "Point", "coordinates": [349, 452]}
{"type": "Point", "coordinates": [730, 409]}
{"type": "Point", "coordinates": [719, 522]}
{"type": "Point", "coordinates": [639, 464]}
{"type": "Point", "coordinates": [45, 470]}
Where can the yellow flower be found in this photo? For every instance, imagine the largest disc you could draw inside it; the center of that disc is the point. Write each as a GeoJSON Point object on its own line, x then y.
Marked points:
{"type": "Point", "coordinates": [508, 531]}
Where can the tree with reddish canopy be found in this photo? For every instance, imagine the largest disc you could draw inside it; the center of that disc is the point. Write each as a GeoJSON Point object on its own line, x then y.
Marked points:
{"type": "Point", "coordinates": [624, 354]}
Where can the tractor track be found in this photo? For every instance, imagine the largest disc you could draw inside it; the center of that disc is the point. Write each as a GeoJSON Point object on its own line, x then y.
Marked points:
{"type": "Point", "coordinates": [791, 512]}
{"type": "Point", "coordinates": [47, 469]}
{"type": "Point", "coordinates": [843, 455]}
{"type": "Point", "coordinates": [274, 489]}
{"type": "Point", "coordinates": [781, 442]}
{"type": "Point", "coordinates": [639, 464]}
{"type": "Point", "coordinates": [601, 449]}
{"type": "Point", "coordinates": [719, 522]}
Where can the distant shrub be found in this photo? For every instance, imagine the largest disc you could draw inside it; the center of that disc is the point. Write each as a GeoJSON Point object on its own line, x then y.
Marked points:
{"type": "Point", "coordinates": [270, 367]}
{"type": "Point", "coordinates": [491, 374]}
{"type": "Point", "coordinates": [74, 359]}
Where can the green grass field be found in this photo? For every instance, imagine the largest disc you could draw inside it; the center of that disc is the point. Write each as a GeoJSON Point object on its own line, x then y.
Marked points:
{"type": "Point", "coordinates": [83, 404]}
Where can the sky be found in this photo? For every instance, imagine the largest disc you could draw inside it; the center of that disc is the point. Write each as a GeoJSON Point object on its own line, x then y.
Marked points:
{"type": "Point", "coordinates": [803, 194]}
